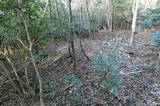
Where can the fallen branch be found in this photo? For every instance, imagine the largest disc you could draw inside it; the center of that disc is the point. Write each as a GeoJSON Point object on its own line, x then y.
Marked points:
{"type": "Point", "coordinates": [129, 73]}
{"type": "Point", "coordinates": [64, 89]}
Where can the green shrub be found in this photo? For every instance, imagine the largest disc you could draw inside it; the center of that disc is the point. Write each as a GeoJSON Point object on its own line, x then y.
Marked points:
{"type": "Point", "coordinates": [106, 63]}
{"type": "Point", "coordinates": [149, 18]}
{"type": "Point", "coordinates": [155, 37]}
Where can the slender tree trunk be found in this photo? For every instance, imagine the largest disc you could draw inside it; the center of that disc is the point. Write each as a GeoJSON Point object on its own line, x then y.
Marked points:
{"type": "Point", "coordinates": [81, 46]}
{"type": "Point", "coordinates": [58, 17]}
{"type": "Point", "coordinates": [109, 14]}
{"type": "Point", "coordinates": [135, 11]}
{"type": "Point", "coordinates": [88, 16]}
{"type": "Point", "coordinates": [50, 12]}
{"type": "Point", "coordinates": [9, 78]}
{"type": "Point", "coordinates": [71, 37]}
{"type": "Point", "coordinates": [31, 54]}
{"type": "Point", "coordinates": [45, 9]}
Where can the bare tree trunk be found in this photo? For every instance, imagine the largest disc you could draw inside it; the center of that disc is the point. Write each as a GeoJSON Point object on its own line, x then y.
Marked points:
{"type": "Point", "coordinates": [71, 37]}
{"type": "Point", "coordinates": [135, 11]}
{"type": "Point", "coordinates": [88, 16]}
{"type": "Point", "coordinates": [50, 12]}
{"type": "Point", "coordinates": [31, 54]}
{"type": "Point", "coordinates": [58, 17]}
{"type": "Point", "coordinates": [109, 13]}
{"type": "Point", "coordinates": [10, 79]}
{"type": "Point", "coordinates": [81, 46]}
{"type": "Point", "coordinates": [45, 9]}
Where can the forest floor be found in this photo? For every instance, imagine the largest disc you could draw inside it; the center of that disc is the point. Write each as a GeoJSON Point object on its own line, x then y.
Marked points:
{"type": "Point", "coordinates": [142, 87]}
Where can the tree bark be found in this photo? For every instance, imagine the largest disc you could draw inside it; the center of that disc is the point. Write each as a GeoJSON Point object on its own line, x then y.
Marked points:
{"type": "Point", "coordinates": [81, 46]}
{"type": "Point", "coordinates": [108, 14]}
{"type": "Point", "coordinates": [135, 12]}
{"type": "Point", "coordinates": [71, 37]}
{"type": "Point", "coordinates": [31, 54]}
{"type": "Point", "coordinates": [88, 16]}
